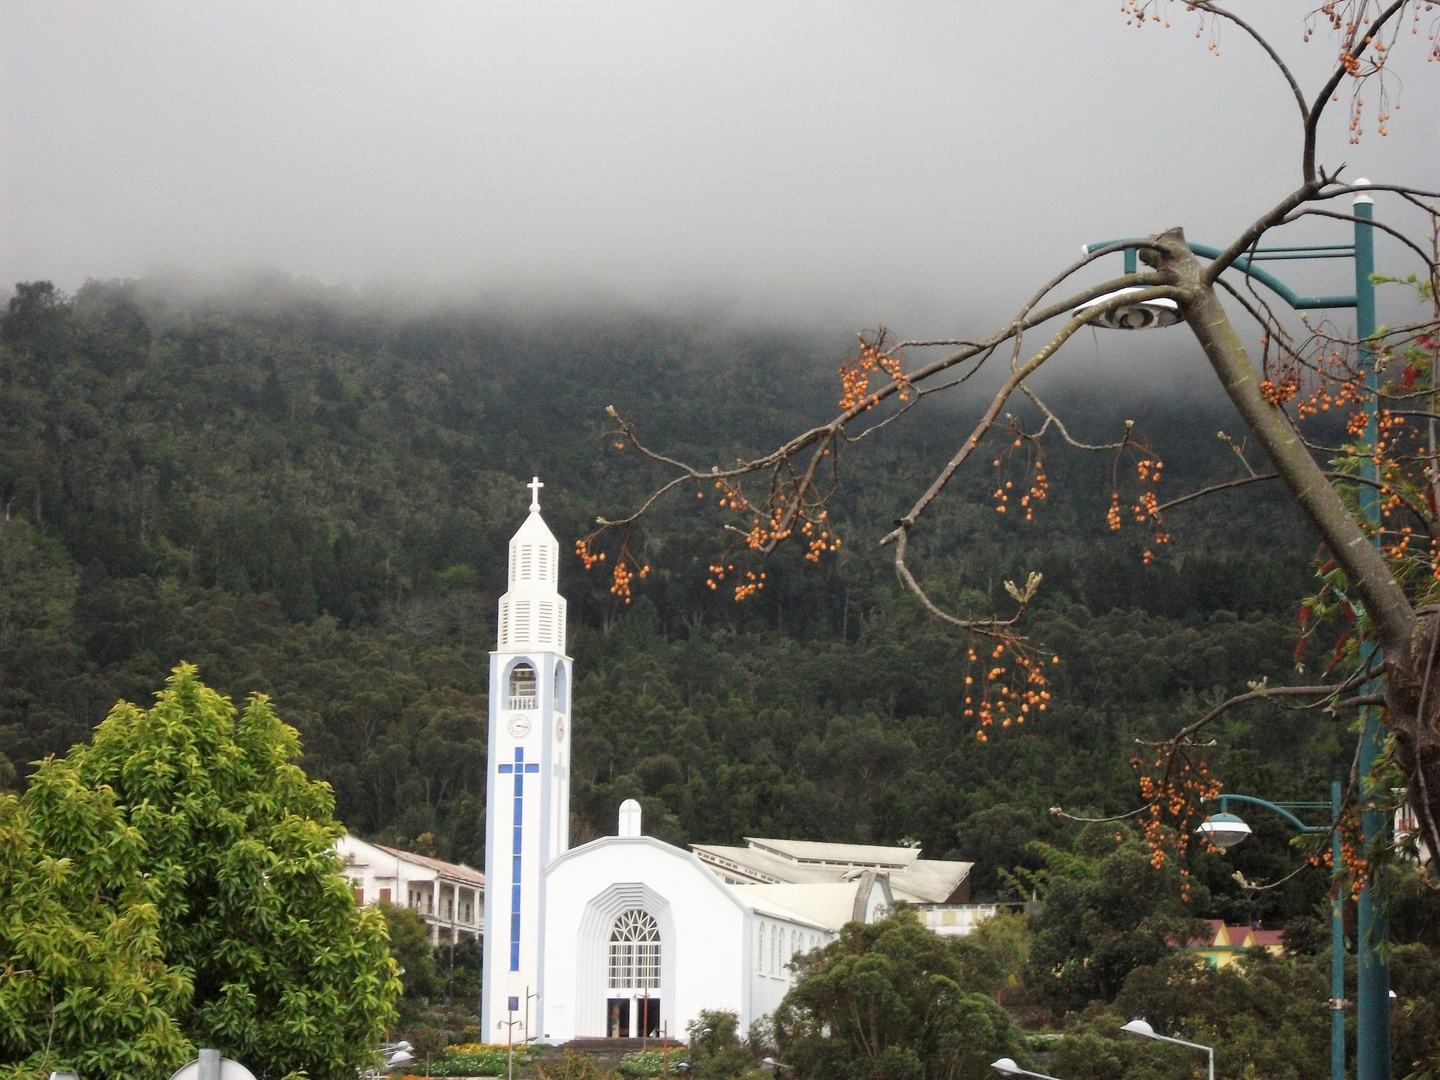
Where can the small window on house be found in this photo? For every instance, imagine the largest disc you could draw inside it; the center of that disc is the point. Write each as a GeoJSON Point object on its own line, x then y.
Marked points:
{"type": "Point", "coordinates": [560, 688]}
{"type": "Point", "coordinates": [522, 687]}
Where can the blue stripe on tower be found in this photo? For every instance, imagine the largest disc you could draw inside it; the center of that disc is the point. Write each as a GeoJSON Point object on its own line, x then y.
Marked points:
{"type": "Point", "coordinates": [518, 769]}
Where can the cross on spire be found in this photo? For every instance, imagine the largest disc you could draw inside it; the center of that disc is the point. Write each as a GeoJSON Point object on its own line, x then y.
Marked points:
{"type": "Point", "coordinates": [535, 485]}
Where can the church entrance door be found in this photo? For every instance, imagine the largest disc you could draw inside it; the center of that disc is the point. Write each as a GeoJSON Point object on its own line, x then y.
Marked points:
{"type": "Point", "coordinates": [646, 1013]}
{"type": "Point", "coordinates": [617, 1023]}
{"type": "Point", "coordinates": [647, 1016]}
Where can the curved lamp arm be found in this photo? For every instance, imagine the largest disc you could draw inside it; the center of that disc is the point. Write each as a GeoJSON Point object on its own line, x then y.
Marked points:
{"type": "Point", "coordinates": [1223, 800]}
{"type": "Point", "coordinates": [1246, 266]}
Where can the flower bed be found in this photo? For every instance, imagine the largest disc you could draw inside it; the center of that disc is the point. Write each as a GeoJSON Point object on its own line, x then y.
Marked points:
{"type": "Point", "coordinates": [475, 1059]}
{"type": "Point", "coordinates": [649, 1063]}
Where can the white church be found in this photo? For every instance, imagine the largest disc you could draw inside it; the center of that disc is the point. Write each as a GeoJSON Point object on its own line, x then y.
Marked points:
{"type": "Point", "coordinates": [626, 935]}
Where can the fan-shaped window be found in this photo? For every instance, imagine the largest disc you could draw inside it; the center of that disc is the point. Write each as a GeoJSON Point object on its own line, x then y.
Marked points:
{"type": "Point", "coordinates": [560, 688]}
{"type": "Point", "coordinates": [522, 687]}
{"type": "Point", "coordinates": [635, 952]}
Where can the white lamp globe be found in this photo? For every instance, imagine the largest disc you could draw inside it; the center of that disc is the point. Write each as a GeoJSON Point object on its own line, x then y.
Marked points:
{"type": "Point", "coordinates": [1223, 830]}
{"type": "Point", "coordinates": [1146, 315]}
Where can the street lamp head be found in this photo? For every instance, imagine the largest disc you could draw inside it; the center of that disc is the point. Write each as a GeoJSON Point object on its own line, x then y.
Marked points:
{"type": "Point", "coordinates": [1223, 830]}
{"type": "Point", "coordinates": [1362, 197]}
{"type": "Point", "coordinates": [1146, 315]}
{"type": "Point", "coordinates": [1006, 1067]}
{"type": "Point", "coordinates": [1139, 1027]}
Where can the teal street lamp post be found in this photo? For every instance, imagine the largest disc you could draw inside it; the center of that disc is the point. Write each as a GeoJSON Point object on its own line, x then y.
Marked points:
{"type": "Point", "coordinates": [1226, 830]}
{"type": "Point", "coordinates": [1372, 992]}
{"type": "Point", "coordinates": [1372, 997]}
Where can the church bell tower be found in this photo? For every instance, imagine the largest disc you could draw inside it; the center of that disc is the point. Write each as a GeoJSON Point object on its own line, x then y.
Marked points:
{"type": "Point", "coordinates": [527, 801]}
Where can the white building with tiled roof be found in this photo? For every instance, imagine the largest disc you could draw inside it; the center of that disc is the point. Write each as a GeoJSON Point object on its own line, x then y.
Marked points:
{"type": "Point", "coordinates": [450, 897]}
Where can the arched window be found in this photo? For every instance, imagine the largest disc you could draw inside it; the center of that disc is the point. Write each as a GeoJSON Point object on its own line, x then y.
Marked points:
{"type": "Point", "coordinates": [760, 947]}
{"type": "Point", "coordinates": [635, 952]}
{"type": "Point", "coordinates": [560, 688]}
{"type": "Point", "coordinates": [522, 687]}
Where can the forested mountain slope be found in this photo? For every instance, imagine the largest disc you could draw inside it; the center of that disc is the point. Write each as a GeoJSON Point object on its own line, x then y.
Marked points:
{"type": "Point", "coordinates": [310, 497]}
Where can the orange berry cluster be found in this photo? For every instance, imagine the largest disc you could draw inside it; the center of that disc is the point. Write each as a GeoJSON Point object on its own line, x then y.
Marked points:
{"type": "Point", "coordinates": [622, 578]}
{"type": "Point", "coordinates": [1281, 392]}
{"type": "Point", "coordinates": [731, 497]}
{"type": "Point", "coordinates": [1039, 488]}
{"type": "Point", "coordinates": [1173, 790]}
{"type": "Point", "coordinates": [821, 543]}
{"type": "Point", "coordinates": [855, 376]}
{"type": "Point", "coordinates": [1147, 506]}
{"type": "Point", "coordinates": [1005, 696]}
{"type": "Point", "coordinates": [589, 558]}
{"type": "Point", "coordinates": [1335, 387]}
{"type": "Point", "coordinates": [750, 585]}
{"type": "Point", "coordinates": [1352, 852]}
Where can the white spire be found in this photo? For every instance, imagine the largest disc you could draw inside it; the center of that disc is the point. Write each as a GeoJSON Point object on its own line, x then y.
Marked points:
{"type": "Point", "coordinates": [532, 611]}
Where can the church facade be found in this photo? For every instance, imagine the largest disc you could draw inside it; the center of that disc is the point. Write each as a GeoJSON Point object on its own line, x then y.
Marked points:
{"type": "Point", "coordinates": [627, 935]}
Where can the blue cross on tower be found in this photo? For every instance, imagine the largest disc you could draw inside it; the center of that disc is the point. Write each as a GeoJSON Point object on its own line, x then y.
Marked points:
{"type": "Point", "coordinates": [519, 769]}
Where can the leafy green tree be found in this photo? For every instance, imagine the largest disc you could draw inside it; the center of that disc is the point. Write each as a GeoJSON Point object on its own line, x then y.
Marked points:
{"type": "Point", "coordinates": [195, 824]}
{"type": "Point", "coordinates": [84, 982]}
{"type": "Point", "coordinates": [1107, 910]}
{"type": "Point", "coordinates": [892, 1001]}
{"type": "Point", "coordinates": [716, 1050]}
{"type": "Point", "coordinates": [410, 946]}
{"type": "Point", "coordinates": [1264, 1015]}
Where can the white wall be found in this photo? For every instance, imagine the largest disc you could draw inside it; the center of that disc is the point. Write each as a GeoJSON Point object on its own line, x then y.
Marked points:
{"type": "Point", "coordinates": [705, 961]}
{"type": "Point", "coordinates": [776, 941]}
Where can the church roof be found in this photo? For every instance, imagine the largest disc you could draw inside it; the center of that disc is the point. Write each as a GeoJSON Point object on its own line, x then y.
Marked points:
{"type": "Point", "coordinates": [831, 905]}
{"type": "Point", "coordinates": [761, 905]}
{"type": "Point", "coordinates": [869, 856]}
{"type": "Point", "coordinates": [805, 862]}
{"type": "Point", "coordinates": [534, 529]}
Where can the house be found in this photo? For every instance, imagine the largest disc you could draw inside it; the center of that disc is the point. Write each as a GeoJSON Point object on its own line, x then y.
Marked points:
{"type": "Point", "coordinates": [1224, 942]}
{"type": "Point", "coordinates": [450, 897]}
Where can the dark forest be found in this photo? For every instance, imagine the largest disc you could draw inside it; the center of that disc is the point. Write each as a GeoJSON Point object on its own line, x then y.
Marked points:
{"type": "Point", "coordinates": [309, 497]}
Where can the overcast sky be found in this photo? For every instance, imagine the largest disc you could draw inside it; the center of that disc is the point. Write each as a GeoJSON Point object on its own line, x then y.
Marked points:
{"type": "Point", "coordinates": [914, 163]}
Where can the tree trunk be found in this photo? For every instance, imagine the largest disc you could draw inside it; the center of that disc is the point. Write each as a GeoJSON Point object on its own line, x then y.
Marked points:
{"type": "Point", "coordinates": [1409, 643]}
